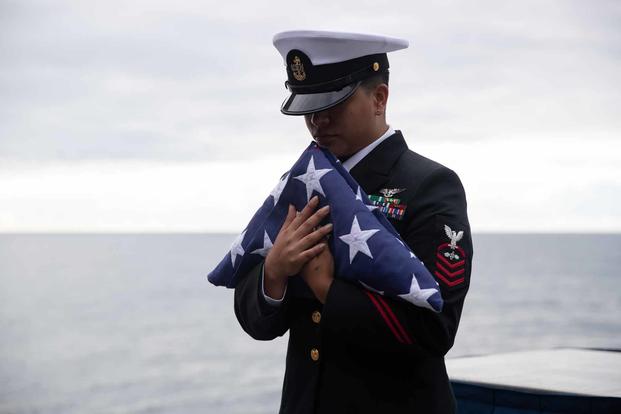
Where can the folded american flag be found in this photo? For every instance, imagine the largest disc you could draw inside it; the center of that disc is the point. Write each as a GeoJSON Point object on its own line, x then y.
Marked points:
{"type": "Point", "coordinates": [366, 247]}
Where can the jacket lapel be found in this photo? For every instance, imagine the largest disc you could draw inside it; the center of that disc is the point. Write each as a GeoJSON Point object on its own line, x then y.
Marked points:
{"type": "Point", "coordinates": [373, 171]}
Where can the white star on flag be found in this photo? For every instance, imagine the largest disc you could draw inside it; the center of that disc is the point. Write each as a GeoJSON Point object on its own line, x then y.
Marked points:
{"type": "Point", "coordinates": [357, 240]}
{"type": "Point", "coordinates": [311, 179]}
{"type": "Point", "coordinates": [417, 295]}
{"type": "Point", "coordinates": [236, 247]}
{"type": "Point", "coordinates": [277, 191]}
{"type": "Point", "coordinates": [378, 256]}
{"type": "Point", "coordinates": [358, 194]}
{"type": "Point", "coordinates": [267, 245]}
{"type": "Point", "coordinates": [359, 197]}
{"type": "Point", "coordinates": [403, 244]}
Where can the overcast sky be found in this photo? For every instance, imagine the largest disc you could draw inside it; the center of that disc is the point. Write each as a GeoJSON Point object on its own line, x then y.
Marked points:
{"type": "Point", "coordinates": [164, 116]}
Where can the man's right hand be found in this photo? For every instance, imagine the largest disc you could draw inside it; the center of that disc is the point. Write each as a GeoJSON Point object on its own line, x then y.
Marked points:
{"type": "Point", "coordinates": [298, 241]}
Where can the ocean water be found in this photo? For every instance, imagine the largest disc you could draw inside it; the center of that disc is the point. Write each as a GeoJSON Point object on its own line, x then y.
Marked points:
{"type": "Point", "coordinates": [129, 323]}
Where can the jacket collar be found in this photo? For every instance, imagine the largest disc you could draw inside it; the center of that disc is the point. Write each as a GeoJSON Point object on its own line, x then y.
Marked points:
{"type": "Point", "coordinates": [374, 169]}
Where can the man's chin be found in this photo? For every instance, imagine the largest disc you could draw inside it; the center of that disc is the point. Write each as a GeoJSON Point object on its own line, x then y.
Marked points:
{"type": "Point", "coordinates": [325, 141]}
{"type": "Point", "coordinates": [342, 156]}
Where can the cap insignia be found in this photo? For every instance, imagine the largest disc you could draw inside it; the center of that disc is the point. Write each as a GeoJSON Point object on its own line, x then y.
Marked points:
{"type": "Point", "coordinates": [297, 67]}
{"type": "Point", "coordinates": [375, 66]}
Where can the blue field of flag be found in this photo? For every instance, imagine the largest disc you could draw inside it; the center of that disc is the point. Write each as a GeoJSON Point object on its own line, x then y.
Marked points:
{"type": "Point", "coordinates": [366, 247]}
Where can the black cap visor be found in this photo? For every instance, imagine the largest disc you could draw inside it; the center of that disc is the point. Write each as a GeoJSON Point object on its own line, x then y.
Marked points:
{"type": "Point", "coordinates": [307, 103]}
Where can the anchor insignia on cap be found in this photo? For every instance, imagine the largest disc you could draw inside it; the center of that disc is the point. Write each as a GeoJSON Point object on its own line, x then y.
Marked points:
{"type": "Point", "coordinates": [297, 67]}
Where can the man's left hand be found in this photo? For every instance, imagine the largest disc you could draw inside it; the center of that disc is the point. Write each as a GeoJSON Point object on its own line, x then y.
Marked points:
{"type": "Point", "coordinates": [318, 273]}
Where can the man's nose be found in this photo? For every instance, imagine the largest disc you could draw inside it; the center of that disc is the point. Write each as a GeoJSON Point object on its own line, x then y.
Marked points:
{"type": "Point", "coordinates": [320, 119]}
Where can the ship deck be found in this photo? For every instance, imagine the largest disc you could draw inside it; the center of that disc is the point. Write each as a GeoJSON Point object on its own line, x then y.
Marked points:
{"type": "Point", "coordinates": [542, 381]}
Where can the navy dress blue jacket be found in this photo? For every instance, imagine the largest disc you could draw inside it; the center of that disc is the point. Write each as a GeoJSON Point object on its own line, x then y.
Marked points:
{"type": "Point", "coordinates": [361, 352]}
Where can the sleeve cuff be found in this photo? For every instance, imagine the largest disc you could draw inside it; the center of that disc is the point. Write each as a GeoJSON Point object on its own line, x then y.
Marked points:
{"type": "Point", "coordinates": [271, 301]}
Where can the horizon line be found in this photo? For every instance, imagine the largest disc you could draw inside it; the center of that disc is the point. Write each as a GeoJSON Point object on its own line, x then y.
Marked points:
{"type": "Point", "coordinates": [196, 232]}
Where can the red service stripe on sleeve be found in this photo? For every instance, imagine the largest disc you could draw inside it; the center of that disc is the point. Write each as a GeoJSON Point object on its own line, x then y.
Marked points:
{"type": "Point", "coordinates": [386, 319]}
{"type": "Point", "coordinates": [451, 265]}
{"type": "Point", "coordinates": [395, 320]}
{"type": "Point", "coordinates": [448, 282]}
{"type": "Point", "coordinates": [448, 273]}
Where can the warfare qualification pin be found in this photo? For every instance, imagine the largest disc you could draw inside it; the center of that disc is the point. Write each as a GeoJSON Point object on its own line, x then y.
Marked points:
{"type": "Point", "coordinates": [390, 192]}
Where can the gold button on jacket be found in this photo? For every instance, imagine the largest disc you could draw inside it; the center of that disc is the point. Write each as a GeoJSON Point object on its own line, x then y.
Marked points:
{"type": "Point", "coordinates": [314, 354]}
{"type": "Point", "coordinates": [316, 316]}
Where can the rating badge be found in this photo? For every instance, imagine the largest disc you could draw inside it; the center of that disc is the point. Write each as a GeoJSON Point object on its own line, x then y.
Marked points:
{"type": "Point", "coordinates": [451, 259]}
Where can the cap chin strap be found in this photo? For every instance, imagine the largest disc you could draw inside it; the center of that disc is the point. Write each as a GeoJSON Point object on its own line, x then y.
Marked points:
{"type": "Point", "coordinates": [334, 84]}
{"type": "Point", "coordinates": [314, 108]}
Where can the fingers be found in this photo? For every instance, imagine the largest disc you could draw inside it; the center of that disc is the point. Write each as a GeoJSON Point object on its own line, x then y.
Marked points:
{"type": "Point", "coordinates": [315, 237]}
{"type": "Point", "coordinates": [299, 240]}
{"type": "Point", "coordinates": [306, 212]}
{"type": "Point", "coordinates": [312, 222]}
{"type": "Point", "coordinates": [290, 216]}
{"type": "Point", "coordinates": [313, 251]}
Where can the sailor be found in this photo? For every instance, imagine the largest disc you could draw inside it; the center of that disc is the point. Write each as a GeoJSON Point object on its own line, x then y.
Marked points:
{"type": "Point", "coordinates": [352, 350]}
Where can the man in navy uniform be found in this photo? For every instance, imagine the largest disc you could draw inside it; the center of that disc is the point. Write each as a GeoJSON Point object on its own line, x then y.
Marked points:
{"type": "Point", "coordinates": [352, 350]}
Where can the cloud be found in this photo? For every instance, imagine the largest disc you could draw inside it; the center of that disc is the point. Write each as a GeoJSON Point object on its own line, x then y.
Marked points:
{"type": "Point", "coordinates": [537, 184]}
{"type": "Point", "coordinates": [515, 185]}
{"type": "Point", "coordinates": [121, 84]}
{"type": "Point", "coordinates": [104, 196]}
{"type": "Point", "coordinates": [157, 80]}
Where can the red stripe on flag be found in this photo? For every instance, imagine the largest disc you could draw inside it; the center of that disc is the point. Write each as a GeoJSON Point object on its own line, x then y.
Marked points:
{"type": "Point", "coordinates": [395, 320]}
{"type": "Point", "coordinates": [386, 319]}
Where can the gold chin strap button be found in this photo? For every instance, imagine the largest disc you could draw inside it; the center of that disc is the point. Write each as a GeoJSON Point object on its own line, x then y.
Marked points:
{"type": "Point", "coordinates": [375, 66]}
{"type": "Point", "coordinates": [314, 354]}
{"type": "Point", "coordinates": [316, 317]}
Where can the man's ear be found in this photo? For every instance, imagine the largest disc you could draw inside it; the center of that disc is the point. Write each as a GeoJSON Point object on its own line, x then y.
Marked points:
{"type": "Point", "coordinates": [380, 97]}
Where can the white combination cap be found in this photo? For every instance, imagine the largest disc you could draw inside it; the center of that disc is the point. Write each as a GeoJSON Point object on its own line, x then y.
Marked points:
{"type": "Point", "coordinates": [325, 68]}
